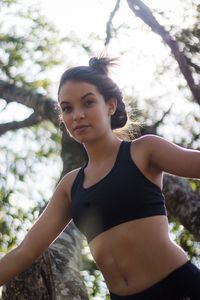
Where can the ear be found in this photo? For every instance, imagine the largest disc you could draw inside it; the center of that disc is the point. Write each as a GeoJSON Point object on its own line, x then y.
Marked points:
{"type": "Point", "coordinates": [112, 105]}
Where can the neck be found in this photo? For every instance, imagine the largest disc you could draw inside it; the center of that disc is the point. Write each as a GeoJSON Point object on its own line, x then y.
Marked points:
{"type": "Point", "coordinates": [102, 149]}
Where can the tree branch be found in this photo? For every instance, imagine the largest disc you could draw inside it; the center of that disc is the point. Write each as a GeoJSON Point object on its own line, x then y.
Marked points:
{"type": "Point", "coordinates": [43, 106]}
{"type": "Point", "coordinates": [166, 113]}
{"type": "Point", "coordinates": [153, 129]}
{"type": "Point", "coordinates": [33, 119]}
{"type": "Point", "coordinates": [143, 12]}
{"type": "Point", "coordinates": [197, 68]}
{"type": "Point", "coordinates": [109, 24]}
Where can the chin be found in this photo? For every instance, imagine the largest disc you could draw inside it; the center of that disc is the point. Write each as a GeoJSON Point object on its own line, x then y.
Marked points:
{"type": "Point", "coordinates": [81, 140]}
{"type": "Point", "coordinates": [86, 139]}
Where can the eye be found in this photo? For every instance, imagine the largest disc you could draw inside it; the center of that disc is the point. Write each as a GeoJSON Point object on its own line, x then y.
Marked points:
{"type": "Point", "coordinates": [88, 102]}
{"type": "Point", "coordinates": [66, 108]}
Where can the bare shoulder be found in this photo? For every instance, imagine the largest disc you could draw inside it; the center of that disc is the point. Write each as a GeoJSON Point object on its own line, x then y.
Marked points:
{"type": "Point", "coordinates": [143, 144]}
{"type": "Point", "coordinates": [146, 149]}
{"type": "Point", "coordinates": [166, 156]}
{"type": "Point", "coordinates": [148, 140]}
{"type": "Point", "coordinates": [149, 143]}
{"type": "Point", "coordinates": [141, 150]}
{"type": "Point", "coordinates": [67, 181]}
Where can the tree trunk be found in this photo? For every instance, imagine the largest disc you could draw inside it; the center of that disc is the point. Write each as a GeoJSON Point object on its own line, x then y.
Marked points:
{"type": "Point", "coordinates": [183, 203]}
{"type": "Point", "coordinates": [54, 276]}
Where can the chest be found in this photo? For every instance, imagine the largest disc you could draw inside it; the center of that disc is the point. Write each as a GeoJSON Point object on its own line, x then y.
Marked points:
{"type": "Point", "coordinates": [112, 196]}
{"type": "Point", "coordinates": [93, 175]}
{"type": "Point", "coordinates": [119, 193]}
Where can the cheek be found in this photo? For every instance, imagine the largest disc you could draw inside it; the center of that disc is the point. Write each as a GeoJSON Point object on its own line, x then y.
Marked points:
{"type": "Point", "coordinates": [103, 120]}
{"type": "Point", "coordinates": [67, 120]}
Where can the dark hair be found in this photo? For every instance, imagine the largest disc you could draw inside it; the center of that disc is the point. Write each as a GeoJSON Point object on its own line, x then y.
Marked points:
{"type": "Point", "coordinates": [97, 74]}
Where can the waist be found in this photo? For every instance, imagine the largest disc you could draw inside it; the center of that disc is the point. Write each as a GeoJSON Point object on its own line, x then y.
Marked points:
{"type": "Point", "coordinates": [175, 285]}
{"type": "Point", "coordinates": [140, 276]}
{"type": "Point", "coordinates": [134, 255]}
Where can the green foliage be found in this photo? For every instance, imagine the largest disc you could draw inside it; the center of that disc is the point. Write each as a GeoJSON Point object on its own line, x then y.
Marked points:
{"type": "Point", "coordinates": [10, 219]}
{"type": "Point", "coordinates": [23, 166]}
{"type": "Point", "coordinates": [185, 239]}
{"type": "Point", "coordinates": [29, 46]}
{"type": "Point", "coordinates": [8, 2]}
{"type": "Point", "coordinates": [28, 49]}
{"type": "Point", "coordinates": [195, 185]}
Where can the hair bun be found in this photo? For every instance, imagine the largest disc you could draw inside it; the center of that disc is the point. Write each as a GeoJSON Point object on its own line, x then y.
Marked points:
{"type": "Point", "coordinates": [102, 64]}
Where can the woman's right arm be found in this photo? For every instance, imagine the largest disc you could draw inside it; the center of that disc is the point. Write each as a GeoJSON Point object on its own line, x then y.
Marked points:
{"type": "Point", "coordinates": [45, 230]}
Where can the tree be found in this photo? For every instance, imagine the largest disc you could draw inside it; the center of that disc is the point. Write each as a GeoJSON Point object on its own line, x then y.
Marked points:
{"type": "Point", "coordinates": [37, 50]}
{"type": "Point", "coordinates": [57, 272]}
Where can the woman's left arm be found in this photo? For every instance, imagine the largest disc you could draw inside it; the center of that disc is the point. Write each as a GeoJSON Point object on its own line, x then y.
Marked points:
{"type": "Point", "coordinates": [171, 158]}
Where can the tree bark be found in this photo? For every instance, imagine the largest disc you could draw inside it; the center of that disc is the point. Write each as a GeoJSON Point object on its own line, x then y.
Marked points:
{"type": "Point", "coordinates": [183, 203]}
{"type": "Point", "coordinates": [54, 276]}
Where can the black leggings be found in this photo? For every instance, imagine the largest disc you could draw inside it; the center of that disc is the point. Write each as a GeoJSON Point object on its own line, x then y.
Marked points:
{"type": "Point", "coordinates": [181, 284]}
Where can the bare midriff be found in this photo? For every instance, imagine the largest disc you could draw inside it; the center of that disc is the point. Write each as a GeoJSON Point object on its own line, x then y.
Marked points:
{"type": "Point", "coordinates": [137, 254]}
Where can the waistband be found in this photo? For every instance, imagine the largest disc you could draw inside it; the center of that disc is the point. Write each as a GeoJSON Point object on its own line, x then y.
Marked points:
{"type": "Point", "coordinates": [183, 278]}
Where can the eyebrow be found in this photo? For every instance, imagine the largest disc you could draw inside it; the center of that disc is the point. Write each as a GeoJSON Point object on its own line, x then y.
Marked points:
{"type": "Point", "coordinates": [82, 97]}
{"type": "Point", "coordinates": [88, 94]}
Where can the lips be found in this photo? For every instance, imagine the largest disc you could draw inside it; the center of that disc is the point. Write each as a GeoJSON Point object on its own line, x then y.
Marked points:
{"type": "Point", "coordinates": [80, 128]}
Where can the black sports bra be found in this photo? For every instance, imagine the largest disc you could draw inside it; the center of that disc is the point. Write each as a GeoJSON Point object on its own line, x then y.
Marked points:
{"type": "Point", "coordinates": [124, 194]}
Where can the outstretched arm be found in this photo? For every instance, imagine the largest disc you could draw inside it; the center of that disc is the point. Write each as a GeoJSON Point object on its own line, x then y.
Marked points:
{"type": "Point", "coordinates": [171, 158]}
{"type": "Point", "coordinates": [47, 227]}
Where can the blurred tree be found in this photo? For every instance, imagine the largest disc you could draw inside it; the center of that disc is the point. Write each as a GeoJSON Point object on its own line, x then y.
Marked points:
{"type": "Point", "coordinates": [27, 52]}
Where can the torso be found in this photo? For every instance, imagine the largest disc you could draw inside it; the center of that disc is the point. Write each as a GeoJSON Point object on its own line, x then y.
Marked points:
{"type": "Point", "coordinates": [147, 254]}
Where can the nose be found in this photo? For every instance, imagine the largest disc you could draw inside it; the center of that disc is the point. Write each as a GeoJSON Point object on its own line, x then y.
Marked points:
{"type": "Point", "coordinates": [78, 114]}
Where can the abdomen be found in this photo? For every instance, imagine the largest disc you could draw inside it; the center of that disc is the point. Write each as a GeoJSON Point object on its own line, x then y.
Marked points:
{"type": "Point", "coordinates": [134, 255]}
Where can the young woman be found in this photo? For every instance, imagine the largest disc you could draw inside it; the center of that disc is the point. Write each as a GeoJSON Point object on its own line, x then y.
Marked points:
{"type": "Point", "coordinates": [116, 199]}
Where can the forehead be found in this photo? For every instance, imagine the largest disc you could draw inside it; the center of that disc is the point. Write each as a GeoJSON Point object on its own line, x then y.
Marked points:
{"type": "Point", "coordinates": [75, 90]}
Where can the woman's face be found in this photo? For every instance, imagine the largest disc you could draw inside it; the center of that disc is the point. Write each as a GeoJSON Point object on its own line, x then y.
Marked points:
{"type": "Point", "coordinates": [85, 113]}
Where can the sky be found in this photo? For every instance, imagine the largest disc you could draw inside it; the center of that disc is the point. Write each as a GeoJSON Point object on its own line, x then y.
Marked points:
{"type": "Point", "coordinates": [143, 51]}
{"type": "Point", "coordinates": [80, 18]}
{"type": "Point", "coordinates": [80, 15]}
